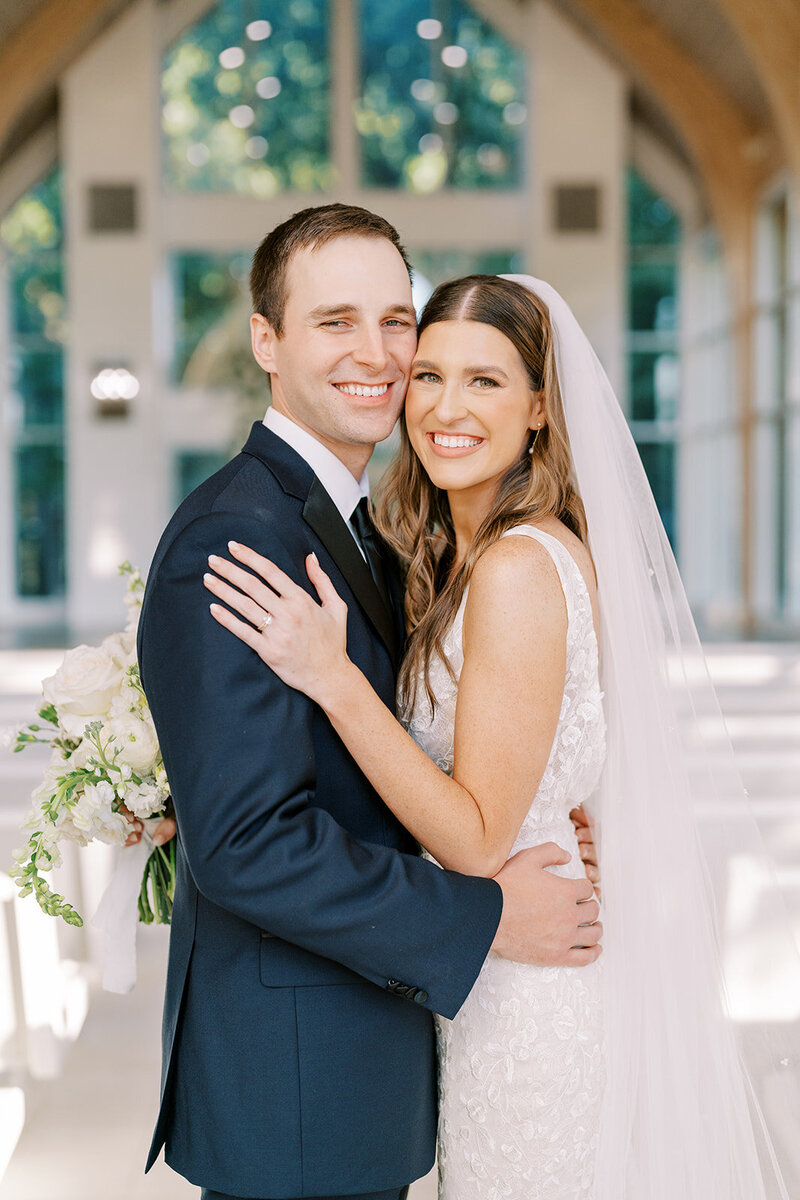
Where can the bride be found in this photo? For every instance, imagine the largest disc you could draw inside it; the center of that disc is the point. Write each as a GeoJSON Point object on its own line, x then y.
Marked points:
{"type": "Point", "coordinates": [543, 608]}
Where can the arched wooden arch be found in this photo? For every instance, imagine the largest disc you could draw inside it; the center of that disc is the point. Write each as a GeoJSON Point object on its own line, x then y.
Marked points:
{"type": "Point", "coordinates": [770, 33]}
{"type": "Point", "coordinates": [34, 56]}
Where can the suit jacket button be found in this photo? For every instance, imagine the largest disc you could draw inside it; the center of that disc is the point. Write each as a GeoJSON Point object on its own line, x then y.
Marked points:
{"type": "Point", "coordinates": [420, 997]}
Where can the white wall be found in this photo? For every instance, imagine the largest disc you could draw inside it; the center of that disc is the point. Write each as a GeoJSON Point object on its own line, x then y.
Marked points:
{"type": "Point", "coordinates": [116, 467]}
{"type": "Point", "coordinates": [579, 133]}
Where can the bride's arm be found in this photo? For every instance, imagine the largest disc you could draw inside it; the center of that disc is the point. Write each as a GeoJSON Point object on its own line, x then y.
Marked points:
{"type": "Point", "coordinates": [509, 694]}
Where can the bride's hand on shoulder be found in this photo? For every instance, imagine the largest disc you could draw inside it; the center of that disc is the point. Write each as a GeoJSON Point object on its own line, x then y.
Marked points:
{"type": "Point", "coordinates": [302, 641]}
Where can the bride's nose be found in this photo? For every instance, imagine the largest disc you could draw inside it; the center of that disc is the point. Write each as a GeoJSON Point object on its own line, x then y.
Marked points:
{"type": "Point", "coordinates": [450, 404]}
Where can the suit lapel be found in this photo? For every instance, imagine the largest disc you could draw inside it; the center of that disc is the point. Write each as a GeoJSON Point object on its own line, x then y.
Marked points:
{"type": "Point", "coordinates": [322, 515]}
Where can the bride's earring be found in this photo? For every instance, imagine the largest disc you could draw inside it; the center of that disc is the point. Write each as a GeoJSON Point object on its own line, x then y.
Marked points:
{"type": "Point", "coordinates": [535, 438]}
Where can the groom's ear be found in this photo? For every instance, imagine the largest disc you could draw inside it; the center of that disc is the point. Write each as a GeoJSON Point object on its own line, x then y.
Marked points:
{"type": "Point", "coordinates": [263, 338]}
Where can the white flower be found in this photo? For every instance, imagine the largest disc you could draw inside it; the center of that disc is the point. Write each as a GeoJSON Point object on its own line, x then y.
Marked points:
{"type": "Point", "coordinates": [161, 777]}
{"type": "Point", "coordinates": [50, 835]}
{"type": "Point", "coordinates": [83, 686]}
{"type": "Point", "coordinates": [137, 741]}
{"type": "Point", "coordinates": [56, 769]}
{"type": "Point", "coordinates": [92, 816]}
{"type": "Point", "coordinates": [122, 648]}
{"type": "Point", "coordinates": [80, 756]}
{"type": "Point", "coordinates": [143, 799]}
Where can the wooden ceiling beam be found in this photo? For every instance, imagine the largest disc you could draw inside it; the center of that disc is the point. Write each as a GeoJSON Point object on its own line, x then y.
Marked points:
{"type": "Point", "coordinates": [38, 51]}
{"type": "Point", "coordinates": [770, 34]}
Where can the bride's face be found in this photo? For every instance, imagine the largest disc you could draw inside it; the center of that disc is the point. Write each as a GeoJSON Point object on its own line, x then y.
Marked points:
{"type": "Point", "coordinates": [470, 406]}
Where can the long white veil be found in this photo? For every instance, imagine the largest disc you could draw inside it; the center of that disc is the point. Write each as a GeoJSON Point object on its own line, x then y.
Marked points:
{"type": "Point", "coordinates": [681, 1118]}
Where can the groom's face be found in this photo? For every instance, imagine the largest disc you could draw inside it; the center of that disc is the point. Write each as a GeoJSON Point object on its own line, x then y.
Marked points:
{"type": "Point", "coordinates": [341, 365]}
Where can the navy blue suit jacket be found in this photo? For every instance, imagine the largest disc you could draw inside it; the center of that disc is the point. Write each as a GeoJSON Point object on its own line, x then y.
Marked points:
{"type": "Point", "coordinates": [310, 943]}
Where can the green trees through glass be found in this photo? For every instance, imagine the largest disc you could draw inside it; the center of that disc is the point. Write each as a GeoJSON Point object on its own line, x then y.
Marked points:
{"type": "Point", "coordinates": [653, 357]}
{"type": "Point", "coordinates": [245, 100]}
{"type": "Point", "coordinates": [32, 239]}
{"type": "Point", "coordinates": [442, 98]}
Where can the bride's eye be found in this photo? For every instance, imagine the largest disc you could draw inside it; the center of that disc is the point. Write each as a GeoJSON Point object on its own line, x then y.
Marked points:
{"type": "Point", "coordinates": [426, 376]}
{"type": "Point", "coordinates": [484, 379]}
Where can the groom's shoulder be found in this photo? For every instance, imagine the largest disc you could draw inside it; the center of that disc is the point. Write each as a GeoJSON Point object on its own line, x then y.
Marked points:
{"type": "Point", "coordinates": [242, 496]}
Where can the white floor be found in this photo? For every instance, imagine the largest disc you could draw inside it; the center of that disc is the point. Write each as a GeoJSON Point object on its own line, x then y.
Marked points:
{"type": "Point", "coordinates": [87, 1131]}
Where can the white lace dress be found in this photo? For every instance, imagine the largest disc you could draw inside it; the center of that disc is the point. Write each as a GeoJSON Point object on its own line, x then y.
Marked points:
{"type": "Point", "coordinates": [521, 1069]}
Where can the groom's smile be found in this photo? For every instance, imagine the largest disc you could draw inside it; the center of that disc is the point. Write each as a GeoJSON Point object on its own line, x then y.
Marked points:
{"type": "Point", "coordinates": [340, 366]}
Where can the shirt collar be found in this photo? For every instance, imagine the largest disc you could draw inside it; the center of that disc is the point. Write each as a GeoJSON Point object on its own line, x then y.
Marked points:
{"type": "Point", "coordinates": [343, 488]}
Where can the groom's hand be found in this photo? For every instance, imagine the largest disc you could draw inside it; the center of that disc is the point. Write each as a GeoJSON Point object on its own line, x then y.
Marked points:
{"type": "Point", "coordinates": [547, 921]}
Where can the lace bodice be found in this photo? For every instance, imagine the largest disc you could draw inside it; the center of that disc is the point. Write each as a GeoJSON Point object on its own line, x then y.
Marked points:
{"type": "Point", "coordinates": [521, 1069]}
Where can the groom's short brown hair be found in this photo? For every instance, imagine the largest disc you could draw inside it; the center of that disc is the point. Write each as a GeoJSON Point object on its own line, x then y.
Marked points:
{"type": "Point", "coordinates": [312, 227]}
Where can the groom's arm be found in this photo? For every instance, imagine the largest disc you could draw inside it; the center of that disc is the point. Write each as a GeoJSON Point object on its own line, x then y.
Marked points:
{"type": "Point", "coordinates": [238, 749]}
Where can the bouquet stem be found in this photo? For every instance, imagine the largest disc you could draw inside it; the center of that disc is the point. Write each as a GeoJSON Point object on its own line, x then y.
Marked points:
{"type": "Point", "coordinates": [158, 886]}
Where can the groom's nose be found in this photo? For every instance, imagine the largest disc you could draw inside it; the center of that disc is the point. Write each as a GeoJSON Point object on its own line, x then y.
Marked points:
{"type": "Point", "coordinates": [370, 350]}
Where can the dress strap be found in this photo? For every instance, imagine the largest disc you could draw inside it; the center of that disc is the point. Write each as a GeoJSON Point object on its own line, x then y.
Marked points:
{"type": "Point", "coordinates": [572, 582]}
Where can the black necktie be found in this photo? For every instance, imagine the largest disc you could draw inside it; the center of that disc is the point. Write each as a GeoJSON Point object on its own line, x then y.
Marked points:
{"type": "Point", "coordinates": [361, 520]}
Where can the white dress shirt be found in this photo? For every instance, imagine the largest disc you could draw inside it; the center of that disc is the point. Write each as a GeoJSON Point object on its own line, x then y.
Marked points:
{"type": "Point", "coordinates": [341, 485]}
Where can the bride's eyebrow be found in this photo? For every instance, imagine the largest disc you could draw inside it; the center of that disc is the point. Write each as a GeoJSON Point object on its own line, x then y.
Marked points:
{"type": "Point", "coordinates": [421, 364]}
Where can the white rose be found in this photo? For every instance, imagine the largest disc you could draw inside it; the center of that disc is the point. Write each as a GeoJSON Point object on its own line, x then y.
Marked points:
{"type": "Point", "coordinates": [122, 648]}
{"type": "Point", "coordinates": [83, 687]}
{"type": "Point", "coordinates": [137, 741]}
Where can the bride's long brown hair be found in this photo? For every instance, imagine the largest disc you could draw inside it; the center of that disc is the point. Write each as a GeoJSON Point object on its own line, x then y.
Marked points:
{"type": "Point", "coordinates": [414, 516]}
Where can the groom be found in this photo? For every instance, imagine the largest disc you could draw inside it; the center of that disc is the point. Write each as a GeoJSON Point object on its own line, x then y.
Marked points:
{"type": "Point", "coordinates": [310, 944]}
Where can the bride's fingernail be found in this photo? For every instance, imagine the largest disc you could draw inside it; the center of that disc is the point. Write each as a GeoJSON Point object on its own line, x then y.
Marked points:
{"type": "Point", "coordinates": [212, 558]}
{"type": "Point", "coordinates": [313, 555]}
{"type": "Point", "coordinates": [233, 546]}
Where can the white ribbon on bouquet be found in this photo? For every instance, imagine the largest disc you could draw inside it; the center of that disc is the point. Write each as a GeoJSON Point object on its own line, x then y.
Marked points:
{"type": "Point", "coordinates": [117, 915]}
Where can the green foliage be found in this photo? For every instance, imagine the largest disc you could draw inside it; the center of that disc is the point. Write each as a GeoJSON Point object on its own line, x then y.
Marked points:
{"type": "Point", "coordinates": [32, 237]}
{"type": "Point", "coordinates": [654, 232]}
{"type": "Point", "coordinates": [410, 138]}
{"type": "Point", "coordinates": [258, 126]}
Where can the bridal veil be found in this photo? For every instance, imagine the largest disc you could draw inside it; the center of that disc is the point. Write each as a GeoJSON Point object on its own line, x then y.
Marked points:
{"type": "Point", "coordinates": [682, 1119]}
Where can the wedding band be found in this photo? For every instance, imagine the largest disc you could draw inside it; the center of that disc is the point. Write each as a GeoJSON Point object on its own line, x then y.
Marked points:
{"type": "Point", "coordinates": [267, 621]}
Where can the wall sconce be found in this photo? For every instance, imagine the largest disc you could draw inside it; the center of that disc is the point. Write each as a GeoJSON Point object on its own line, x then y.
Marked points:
{"type": "Point", "coordinates": [113, 388]}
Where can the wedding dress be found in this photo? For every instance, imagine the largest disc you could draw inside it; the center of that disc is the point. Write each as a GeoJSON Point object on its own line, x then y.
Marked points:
{"type": "Point", "coordinates": [521, 1065]}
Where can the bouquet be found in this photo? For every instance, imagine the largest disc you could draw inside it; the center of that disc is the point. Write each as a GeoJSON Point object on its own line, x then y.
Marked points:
{"type": "Point", "coordinates": [105, 759]}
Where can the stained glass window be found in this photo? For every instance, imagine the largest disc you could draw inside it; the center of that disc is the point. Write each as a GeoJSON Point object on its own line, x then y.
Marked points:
{"type": "Point", "coordinates": [245, 99]}
{"type": "Point", "coordinates": [442, 98]}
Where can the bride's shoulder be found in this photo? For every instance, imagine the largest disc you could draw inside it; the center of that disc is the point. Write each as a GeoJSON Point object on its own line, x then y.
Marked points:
{"type": "Point", "coordinates": [514, 577]}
